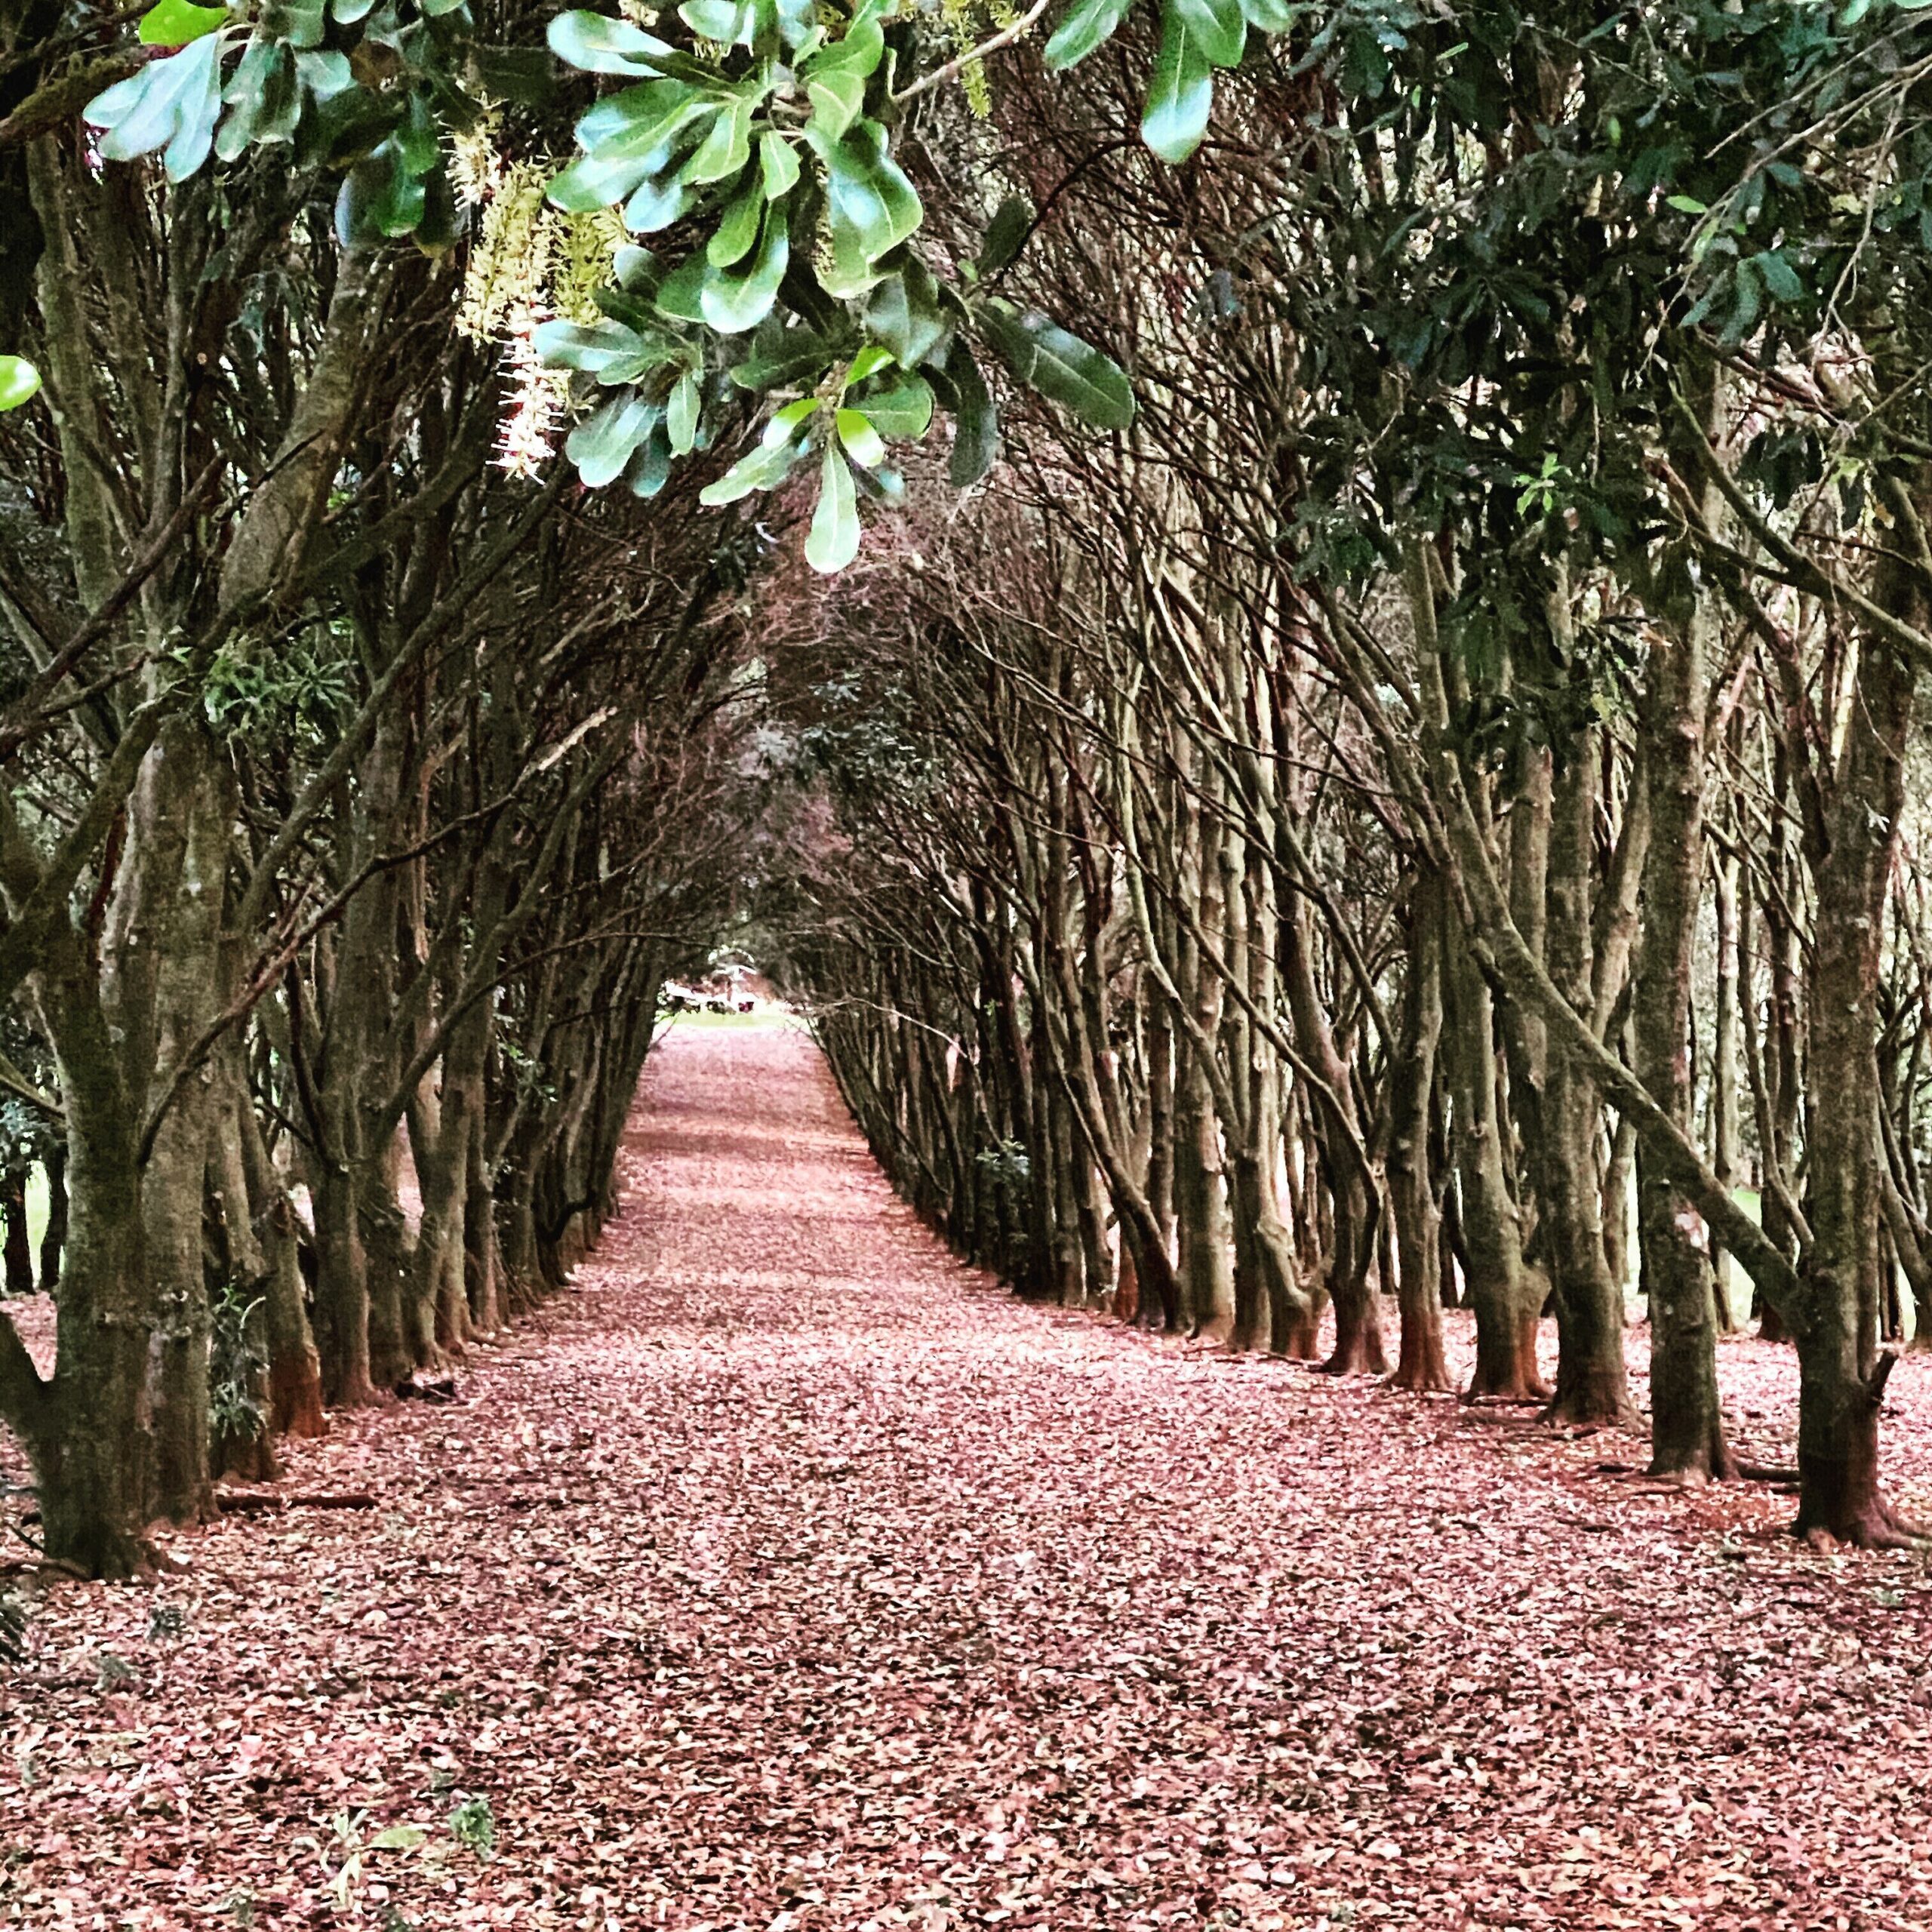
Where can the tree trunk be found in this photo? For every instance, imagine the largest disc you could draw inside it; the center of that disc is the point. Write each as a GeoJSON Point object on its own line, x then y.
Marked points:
{"type": "Point", "coordinates": [1687, 1418]}
{"type": "Point", "coordinates": [1420, 1366]}
{"type": "Point", "coordinates": [1591, 1386]}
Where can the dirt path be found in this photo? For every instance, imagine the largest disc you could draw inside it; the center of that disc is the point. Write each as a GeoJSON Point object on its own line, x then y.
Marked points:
{"type": "Point", "coordinates": [792, 1577]}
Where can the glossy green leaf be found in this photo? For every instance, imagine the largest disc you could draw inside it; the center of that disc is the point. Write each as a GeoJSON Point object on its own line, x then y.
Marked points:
{"type": "Point", "coordinates": [1091, 23]}
{"type": "Point", "coordinates": [781, 356]}
{"type": "Point", "coordinates": [975, 419]}
{"type": "Point", "coordinates": [602, 444]}
{"type": "Point", "coordinates": [837, 97]}
{"type": "Point", "coordinates": [862, 443]}
{"type": "Point", "coordinates": [599, 45]}
{"type": "Point", "coordinates": [731, 302]}
{"type": "Point", "coordinates": [595, 181]}
{"type": "Point", "coordinates": [903, 408]}
{"type": "Point", "coordinates": [176, 23]}
{"type": "Point", "coordinates": [1064, 369]}
{"type": "Point", "coordinates": [680, 414]}
{"type": "Point", "coordinates": [610, 352]}
{"type": "Point", "coordinates": [1181, 93]}
{"type": "Point", "coordinates": [784, 422]}
{"type": "Point", "coordinates": [726, 149]}
{"type": "Point", "coordinates": [680, 295]}
{"type": "Point", "coordinates": [264, 99]}
{"type": "Point", "coordinates": [1006, 234]}
{"type": "Point", "coordinates": [650, 468]}
{"type": "Point", "coordinates": [737, 229]}
{"type": "Point", "coordinates": [905, 312]}
{"type": "Point", "coordinates": [764, 469]}
{"type": "Point", "coordinates": [20, 382]}
{"type": "Point", "coordinates": [730, 22]}
{"type": "Point", "coordinates": [870, 205]}
{"type": "Point", "coordinates": [869, 360]}
{"type": "Point", "coordinates": [778, 165]}
{"type": "Point", "coordinates": [638, 122]}
{"type": "Point", "coordinates": [1218, 28]}
{"type": "Point", "coordinates": [172, 104]}
{"type": "Point", "coordinates": [656, 205]}
{"type": "Point", "coordinates": [836, 76]}
{"type": "Point", "coordinates": [833, 540]}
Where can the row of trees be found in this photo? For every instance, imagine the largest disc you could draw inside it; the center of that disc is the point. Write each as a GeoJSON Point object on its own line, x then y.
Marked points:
{"type": "Point", "coordinates": [1292, 818]}
{"type": "Point", "coordinates": [358, 797]}
{"type": "Point", "coordinates": [1430, 810]}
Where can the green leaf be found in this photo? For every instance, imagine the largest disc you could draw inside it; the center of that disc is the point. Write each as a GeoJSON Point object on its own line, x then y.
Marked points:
{"type": "Point", "coordinates": [784, 422]}
{"type": "Point", "coordinates": [602, 444]}
{"type": "Point", "coordinates": [598, 45]}
{"type": "Point", "coordinates": [833, 540]}
{"type": "Point", "coordinates": [638, 122]}
{"type": "Point", "coordinates": [733, 303]}
{"type": "Point", "coordinates": [781, 356]}
{"type": "Point", "coordinates": [777, 164]}
{"type": "Point", "coordinates": [837, 97]}
{"type": "Point", "coordinates": [175, 23]}
{"type": "Point", "coordinates": [1783, 283]}
{"type": "Point", "coordinates": [905, 312]}
{"type": "Point", "coordinates": [1006, 235]}
{"type": "Point", "coordinates": [595, 181]}
{"type": "Point", "coordinates": [1068, 371]}
{"type": "Point", "coordinates": [680, 294]}
{"type": "Point", "coordinates": [869, 360]}
{"type": "Point", "coordinates": [1090, 24]}
{"type": "Point", "coordinates": [264, 99]}
{"type": "Point", "coordinates": [650, 468]}
{"type": "Point", "coordinates": [728, 21]}
{"type": "Point", "coordinates": [724, 151]}
{"type": "Point", "coordinates": [612, 351]}
{"type": "Point", "coordinates": [975, 420]}
{"type": "Point", "coordinates": [171, 104]}
{"type": "Point", "coordinates": [20, 382]}
{"type": "Point", "coordinates": [1181, 93]}
{"type": "Point", "coordinates": [870, 205]}
{"type": "Point", "coordinates": [656, 205]}
{"type": "Point", "coordinates": [1685, 204]}
{"type": "Point", "coordinates": [902, 409]}
{"type": "Point", "coordinates": [737, 229]}
{"type": "Point", "coordinates": [862, 443]}
{"type": "Point", "coordinates": [1217, 27]}
{"type": "Point", "coordinates": [835, 75]}
{"type": "Point", "coordinates": [680, 414]}
{"type": "Point", "coordinates": [300, 23]}
{"type": "Point", "coordinates": [764, 469]}
{"type": "Point", "coordinates": [399, 1837]}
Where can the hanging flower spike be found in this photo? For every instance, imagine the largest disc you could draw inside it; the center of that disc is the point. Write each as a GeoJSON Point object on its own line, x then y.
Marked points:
{"type": "Point", "coordinates": [475, 167]}
{"type": "Point", "coordinates": [585, 262]}
{"type": "Point", "coordinates": [961, 18]}
{"type": "Point", "coordinates": [511, 261]}
{"type": "Point", "coordinates": [537, 399]}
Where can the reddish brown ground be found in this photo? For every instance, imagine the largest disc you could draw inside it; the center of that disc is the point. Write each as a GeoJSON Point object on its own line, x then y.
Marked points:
{"type": "Point", "coordinates": [791, 1576]}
